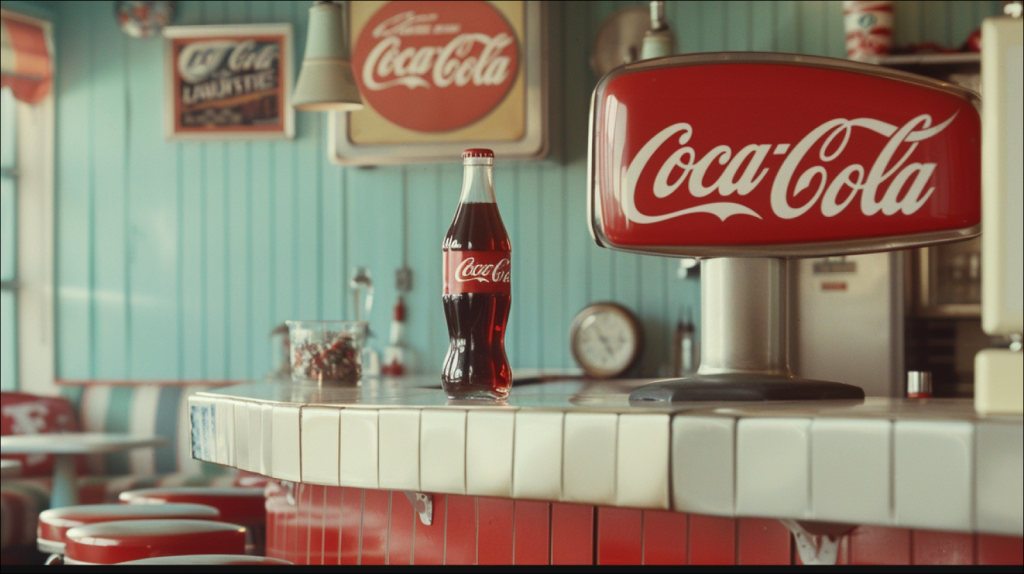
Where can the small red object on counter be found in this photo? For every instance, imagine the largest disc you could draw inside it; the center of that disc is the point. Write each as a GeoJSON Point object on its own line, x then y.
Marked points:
{"type": "Point", "coordinates": [394, 354]}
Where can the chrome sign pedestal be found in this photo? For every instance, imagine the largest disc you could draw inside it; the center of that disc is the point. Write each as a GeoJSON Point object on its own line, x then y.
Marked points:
{"type": "Point", "coordinates": [744, 351]}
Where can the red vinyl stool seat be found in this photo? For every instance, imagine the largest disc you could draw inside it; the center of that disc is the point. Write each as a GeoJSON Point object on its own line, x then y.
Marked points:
{"type": "Point", "coordinates": [209, 560]}
{"type": "Point", "coordinates": [51, 534]}
{"type": "Point", "coordinates": [244, 506]}
{"type": "Point", "coordinates": [118, 542]}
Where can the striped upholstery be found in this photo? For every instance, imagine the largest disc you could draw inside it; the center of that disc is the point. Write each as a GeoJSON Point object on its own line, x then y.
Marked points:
{"type": "Point", "coordinates": [149, 409]}
{"type": "Point", "coordinates": [156, 409]}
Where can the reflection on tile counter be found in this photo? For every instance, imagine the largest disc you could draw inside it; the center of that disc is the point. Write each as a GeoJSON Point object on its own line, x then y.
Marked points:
{"type": "Point", "coordinates": [581, 442]}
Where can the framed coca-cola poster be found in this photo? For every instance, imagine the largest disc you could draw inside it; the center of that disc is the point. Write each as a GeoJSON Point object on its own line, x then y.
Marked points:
{"type": "Point", "coordinates": [228, 82]}
{"type": "Point", "coordinates": [438, 77]}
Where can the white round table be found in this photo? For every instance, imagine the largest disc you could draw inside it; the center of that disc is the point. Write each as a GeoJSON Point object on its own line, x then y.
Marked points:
{"type": "Point", "coordinates": [10, 469]}
{"type": "Point", "coordinates": [64, 447]}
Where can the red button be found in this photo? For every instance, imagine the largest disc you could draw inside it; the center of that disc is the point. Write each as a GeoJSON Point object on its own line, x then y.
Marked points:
{"type": "Point", "coordinates": [117, 542]}
{"type": "Point", "coordinates": [245, 506]}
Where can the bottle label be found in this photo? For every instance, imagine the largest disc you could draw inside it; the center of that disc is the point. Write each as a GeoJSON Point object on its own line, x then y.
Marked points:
{"type": "Point", "coordinates": [477, 272]}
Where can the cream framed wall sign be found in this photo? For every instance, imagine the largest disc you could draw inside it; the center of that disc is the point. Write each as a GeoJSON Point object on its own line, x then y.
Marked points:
{"type": "Point", "coordinates": [228, 82]}
{"type": "Point", "coordinates": [438, 77]}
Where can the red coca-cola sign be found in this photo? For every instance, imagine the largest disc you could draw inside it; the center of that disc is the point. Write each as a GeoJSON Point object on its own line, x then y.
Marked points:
{"type": "Point", "coordinates": [780, 155]}
{"type": "Point", "coordinates": [458, 59]}
{"type": "Point", "coordinates": [477, 272]}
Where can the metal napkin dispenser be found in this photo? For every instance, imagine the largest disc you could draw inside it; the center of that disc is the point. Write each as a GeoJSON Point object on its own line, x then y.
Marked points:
{"type": "Point", "coordinates": [746, 159]}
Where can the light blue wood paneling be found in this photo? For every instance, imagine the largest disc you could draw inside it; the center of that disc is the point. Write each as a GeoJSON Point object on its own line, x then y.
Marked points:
{"type": "Point", "coordinates": [74, 85]}
{"type": "Point", "coordinates": [177, 259]}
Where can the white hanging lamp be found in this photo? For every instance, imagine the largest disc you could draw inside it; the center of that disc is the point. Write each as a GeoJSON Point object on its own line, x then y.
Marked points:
{"type": "Point", "coordinates": [326, 83]}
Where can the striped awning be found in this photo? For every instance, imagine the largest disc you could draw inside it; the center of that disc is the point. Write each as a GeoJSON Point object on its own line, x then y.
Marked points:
{"type": "Point", "coordinates": [25, 57]}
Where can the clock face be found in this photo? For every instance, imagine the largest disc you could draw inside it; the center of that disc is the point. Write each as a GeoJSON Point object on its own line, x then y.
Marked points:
{"type": "Point", "coordinates": [605, 340]}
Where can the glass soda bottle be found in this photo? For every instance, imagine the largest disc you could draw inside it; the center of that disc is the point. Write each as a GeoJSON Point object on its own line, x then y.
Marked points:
{"type": "Point", "coordinates": [477, 288]}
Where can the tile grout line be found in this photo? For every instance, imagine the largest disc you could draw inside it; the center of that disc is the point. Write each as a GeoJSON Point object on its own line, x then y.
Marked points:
{"type": "Point", "coordinates": [323, 529]}
{"type": "Point", "coordinates": [893, 515]}
{"type": "Point", "coordinates": [809, 512]}
{"type": "Point", "coordinates": [444, 545]}
{"type": "Point", "coordinates": [643, 536]}
{"type": "Point", "coordinates": [387, 538]}
{"type": "Point", "coordinates": [973, 489]}
{"type": "Point", "coordinates": [362, 516]}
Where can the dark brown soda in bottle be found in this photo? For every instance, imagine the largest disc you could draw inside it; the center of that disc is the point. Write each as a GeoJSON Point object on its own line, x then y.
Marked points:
{"type": "Point", "coordinates": [477, 288]}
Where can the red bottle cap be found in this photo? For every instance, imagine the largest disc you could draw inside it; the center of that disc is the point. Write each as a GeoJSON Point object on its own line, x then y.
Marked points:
{"type": "Point", "coordinates": [477, 152]}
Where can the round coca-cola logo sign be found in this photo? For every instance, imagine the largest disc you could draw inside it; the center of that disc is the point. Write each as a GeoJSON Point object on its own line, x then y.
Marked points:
{"type": "Point", "coordinates": [435, 66]}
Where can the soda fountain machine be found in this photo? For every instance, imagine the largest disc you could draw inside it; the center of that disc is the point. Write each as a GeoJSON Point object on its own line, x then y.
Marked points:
{"type": "Point", "coordinates": [748, 161]}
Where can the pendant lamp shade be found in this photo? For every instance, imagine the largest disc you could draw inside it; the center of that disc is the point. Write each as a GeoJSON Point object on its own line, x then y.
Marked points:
{"type": "Point", "coordinates": [326, 83]}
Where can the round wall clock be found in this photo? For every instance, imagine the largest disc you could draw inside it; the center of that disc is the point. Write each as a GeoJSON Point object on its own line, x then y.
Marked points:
{"type": "Point", "coordinates": [606, 339]}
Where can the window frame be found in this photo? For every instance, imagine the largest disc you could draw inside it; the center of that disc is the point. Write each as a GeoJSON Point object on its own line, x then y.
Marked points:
{"type": "Point", "coordinates": [34, 276]}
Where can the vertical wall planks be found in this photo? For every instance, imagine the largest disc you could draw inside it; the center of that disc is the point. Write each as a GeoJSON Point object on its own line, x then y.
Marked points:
{"type": "Point", "coordinates": [496, 520]}
{"type": "Point", "coordinates": [532, 534]}
{"type": "Point", "coordinates": [460, 543]}
{"type": "Point", "coordinates": [572, 534]}
{"type": "Point", "coordinates": [374, 239]}
{"type": "Point", "coordinates": [762, 26]}
{"type": "Point", "coordinates": [74, 196]}
{"type": "Point", "coordinates": [428, 543]}
{"type": "Point", "coordinates": [908, 26]}
{"type": "Point", "coordinates": [351, 525]}
{"type": "Point", "coordinates": [333, 254]}
{"type": "Point", "coordinates": [812, 28]}
{"type": "Point", "coordinates": [578, 84]}
{"type": "Point", "coordinates": [879, 545]}
{"type": "Point", "coordinates": [400, 530]}
{"type": "Point", "coordinates": [216, 261]}
{"type": "Point", "coordinates": [601, 275]}
{"type": "Point", "coordinates": [299, 544]}
{"type": "Point", "coordinates": [308, 152]}
{"type": "Point", "coordinates": [317, 523]}
{"type": "Point", "coordinates": [619, 536]}
{"type": "Point", "coordinates": [712, 540]}
{"type": "Point", "coordinates": [739, 31]}
{"type": "Point", "coordinates": [552, 319]}
{"type": "Point", "coordinates": [665, 537]}
{"type": "Point", "coordinates": [999, 550]}
{"type": "Point", "coordinates": [177, 259]}
{"type": "Point", "coordinates": [284, 279]}
{"type": "Point", "coordinates": [152, 211]}
{"type": "Point", "coordinates": [763, 542]}
{"type": "Point", "coordinates": [936, 23]}
{"type": "Point", "coordinates": [787, 26]}
{"type": "Point", "coordinates": [936, 548]}
{"type": "Point", "coordinates": [426, 225]}
{"type": "Point", "coordinates": [713, 25]}
{"type": "Point", "coordinates": [264, 355]}
{"type": "Point", "coordinates": [376, 515]}
{"type": "Point", "coordinates": [835, 31]}
{"type": "Point", "coordinates": [108, 150]}
{"type": "Point", "coordinates": [332, 525]}
{"type": "Point", "coordinates": [528, 260]}
{"type": "Point", "coordinates": [239, 178]}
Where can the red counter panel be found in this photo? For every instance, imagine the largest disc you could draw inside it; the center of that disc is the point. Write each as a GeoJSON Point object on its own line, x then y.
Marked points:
{"type": "Point", "coordinates": [326, 525]}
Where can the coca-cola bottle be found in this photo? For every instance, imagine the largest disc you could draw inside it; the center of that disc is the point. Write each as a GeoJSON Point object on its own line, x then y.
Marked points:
{"type": "Point", "coordinates": [477, 287]}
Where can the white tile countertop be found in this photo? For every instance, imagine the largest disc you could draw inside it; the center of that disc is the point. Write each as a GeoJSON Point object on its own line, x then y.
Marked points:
{"type": "Point", "coordinates": [914, 463]}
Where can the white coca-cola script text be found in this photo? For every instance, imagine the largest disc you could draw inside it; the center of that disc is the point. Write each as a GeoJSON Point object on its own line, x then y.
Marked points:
{"type": "Point", "coordinates": [389, 64]}
{"type": "Point", "coordinates": [469, 270]}
{"type": "Point", "coordinates": [907, 182]}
